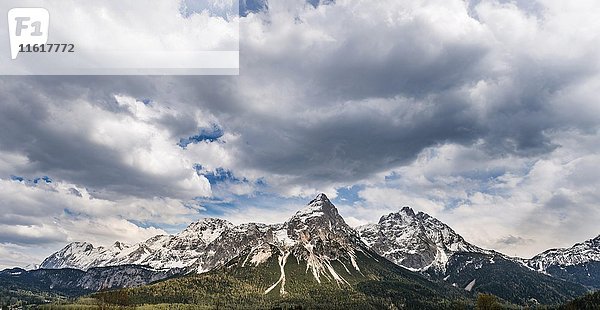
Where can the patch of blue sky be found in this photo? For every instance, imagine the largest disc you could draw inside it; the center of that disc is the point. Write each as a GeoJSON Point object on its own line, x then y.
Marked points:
{"type": "Point", "coordinates": [199, 168]}
{"type": "Point", "coordinates": [221, 175]}
{"type": "Point", "coordinates": [228, 8]}
{"type": "Point", "coordinates": [169, 228]}
{"type": "Point", "coordinates": [17, 178]}
{"type": "Point", "coordinates": [145, 101]}
{"type": "Point", "coordinates": [488, 181]}
{"type": "Point", "coordinates": [393, 176]}
{"type": "Point", "coordinates": [220, 206]}
{"type": "Point", "coordinates": [489, 187]}
{"type": "Point", "coordinates": [215, 206]}
{"type": "Point", "coordinates": [316, 3]}
{"type": "Point", "coordinates": [45, 178]}
{"type": "Point", "coordinates": [38, 180]}
{"type": "Point", "coordinates": [261, 182]}
{"type": "Point", "coordinates": [349, 195]}
{"type": "Point", "coordinates": [70, 213]}
{"type": "Point", "coordinates": [484, 174]}
{"type": "Point", "coordinates": [453, 203]}
{"type": "Point", "coordinates": [220, 8]}
{"type": "Point", "coordinates": [211, 134]}
{"type": "Point", "coordinates": [252, 6]}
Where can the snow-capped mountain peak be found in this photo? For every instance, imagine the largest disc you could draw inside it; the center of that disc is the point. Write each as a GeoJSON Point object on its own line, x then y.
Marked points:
{"type": "Point", "coordinates": [319, 219]}
{"type": "Point", "coordinates": [80, 255]}
{"type": "Point", "coordinates": [577, 254]}
{"type": "Point", "coordinates": [414, 240]}
{"type": "Point", "coordinates": [320, 206]}
{"type": "Point", "coordinates": [119, 246]}
{"type": "Point", "coordinates": [405, 216]}
{"type": "Point", "coordinates": [76, 247]}
{"type": "Point", "coordinates": [579, 263]}
{"type": "Point", "coordinates": [316, 235]}
{"type": "Point", "coordinates": [206, 230]}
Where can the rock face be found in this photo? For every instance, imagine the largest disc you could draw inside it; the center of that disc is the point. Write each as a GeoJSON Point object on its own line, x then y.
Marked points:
{"type": "Point", "coordinates": [318, 235]}
{"type": "Point", "coordinates": [579, 263]}
{"type": "Point", "coordinates": [415, 241]}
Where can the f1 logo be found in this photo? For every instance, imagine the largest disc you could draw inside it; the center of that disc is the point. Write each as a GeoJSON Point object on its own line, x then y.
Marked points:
{"type": "Point", "coordinates": [27, 26]}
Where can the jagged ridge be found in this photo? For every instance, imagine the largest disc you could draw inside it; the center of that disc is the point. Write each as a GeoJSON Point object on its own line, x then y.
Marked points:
{"type": "Point", "coordinates": [316, 234]}
{"type": "Point", "coordinates": [318, 238]}
{"type": "Point", "coordinates": [162, 251]}
{"type": "Point", "coordinates": [579, 263]}
{"type": "Point", "coordinates": [577, 254]}
{"type": "Point", "coordinates": [415, 241]}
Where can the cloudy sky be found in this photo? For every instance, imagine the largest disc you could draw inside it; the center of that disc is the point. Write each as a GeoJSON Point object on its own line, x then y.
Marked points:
{"type": "Point", "coordinates": [484, 114]}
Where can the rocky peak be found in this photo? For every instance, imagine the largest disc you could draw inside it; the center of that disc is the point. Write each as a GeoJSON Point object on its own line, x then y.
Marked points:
{"type": "Point", "coordinates": [320, 206]}
{"type": "Point", "coordinates": [204, 231]}
{"type": "Point", "coordinates": [579, 253]}
{"type": "Point", "coordinates": [118, 245]}
{"type": "Point", "coordinates": [594, 243]}
{"type": "Point", "coordinates": [320, 197]}
{"type": "Point", "coordinates": [72, 254]}
{"type": "Point", "coordinates": [208, 223]}
{"type": "Point", "coordinates": [76, 247]}
{"type": "Point", "coordinates": [408, 211]}
{"type": "Point", "coordinates": [318, 223]}
{"type": "Point", "coordinates": [405, 216]}
{"type": "Point", "coordinates": [416, 241]}
{"type": "Point", "coordinates": [320, 215]}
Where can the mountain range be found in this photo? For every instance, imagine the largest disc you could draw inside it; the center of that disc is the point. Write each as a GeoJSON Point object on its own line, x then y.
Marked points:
{"type": "Point", "coordinates": [424, 244]}
{"type": "Point", "coordinates": [405, 258]}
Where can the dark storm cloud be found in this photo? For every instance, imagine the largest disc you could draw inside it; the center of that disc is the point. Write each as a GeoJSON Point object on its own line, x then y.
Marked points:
{"type": "Point", "coordinates": [413, 65]}
{"type": "Point", "coordinates": [411, 60]}
{"type": "Point", "coordinates": [355, 143]}
{"type": "Point", "coordinates": [13, 237]}
{"type": "Point", "coordinates": [70, 157]}
{"type": "Point", "coordinates": [418, 61]}
{"type": "Point", "coordinates": [28, 127]}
